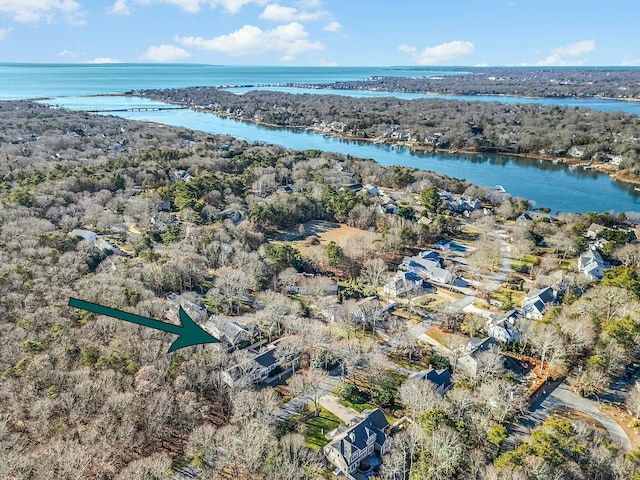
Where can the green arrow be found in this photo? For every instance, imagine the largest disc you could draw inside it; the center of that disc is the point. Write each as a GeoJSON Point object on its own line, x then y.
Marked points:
{"type": "Point", "coordinates": [190, 333]}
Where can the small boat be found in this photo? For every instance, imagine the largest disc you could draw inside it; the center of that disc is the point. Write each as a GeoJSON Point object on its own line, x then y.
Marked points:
{"type": "Point", "coordinates": [500, 189]}
{"type": "Point", "coordinates": [637, 189]}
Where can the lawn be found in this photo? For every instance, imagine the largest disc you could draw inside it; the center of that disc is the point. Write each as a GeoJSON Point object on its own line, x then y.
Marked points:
{"type": "Point", "coordinates": [448, 340]}
{"type": "Point", "coordinates": [317, 427]}
{"type": "Point", "coordinates": [501, 295]}
{"type": "Point", "coordinates": [358, 407]}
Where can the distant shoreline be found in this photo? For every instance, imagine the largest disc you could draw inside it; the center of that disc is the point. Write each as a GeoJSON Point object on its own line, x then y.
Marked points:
{"type": "Point", "coordinates": [624, 176]}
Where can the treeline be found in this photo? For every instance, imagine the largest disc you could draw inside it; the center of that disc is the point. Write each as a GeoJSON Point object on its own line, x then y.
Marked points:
{"type": "Point", "coordinates": [84, 396]}
{"type": "Point", "coordinates": [526, 81]}
{"type": "Point", "coordinates": [550, 131]}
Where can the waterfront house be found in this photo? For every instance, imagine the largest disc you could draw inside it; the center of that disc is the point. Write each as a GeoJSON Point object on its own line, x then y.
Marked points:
{"type": "Point", "coordinates": [359, 446]}
{"type": "Point", "coordinates": [527, 218]}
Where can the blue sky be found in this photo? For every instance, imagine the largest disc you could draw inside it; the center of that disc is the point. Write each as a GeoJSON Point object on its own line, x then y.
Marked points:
{"type": "Point", "coordinates": [322, 32]}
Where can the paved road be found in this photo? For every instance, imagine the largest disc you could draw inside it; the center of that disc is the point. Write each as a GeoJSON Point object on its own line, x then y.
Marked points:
{"type": "Point", "coordinates": [563, 397]}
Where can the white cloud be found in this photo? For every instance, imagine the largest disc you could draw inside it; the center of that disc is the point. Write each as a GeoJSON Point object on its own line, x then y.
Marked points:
{"type": "Point", "coordinates": [332, 27]}
{"type": "Point", "coordinates": [440, 53]}
{"type": "Point", "coordinates": [569, 54]}
{"type": "Point", "coordinates": [27, 11]}
{"type": "Point", "coordinates": [278, 13]}
{"type": "Point", "coordinates": [406, 48]}
{"type": "Point", "coordinates": [290, 39]}
{"type": "Point", "coordinates": [4, 32]}
{"type": "Point", "coordinates": [102, 60]}
{"type": "Point", "coordinates": [120, 8]}
{"type": "Point", "coordinates": [165, 53]}
{"type": "Point", "coordinates": [630, 62]}
{"type": "Point", "coordinates": [310, 4]}
{"type": "Point", "coordinates": [68, 54]}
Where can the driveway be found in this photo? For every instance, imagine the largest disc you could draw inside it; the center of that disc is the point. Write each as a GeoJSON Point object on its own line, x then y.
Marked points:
{"type": "Point", "coordinates": [297, 404]}
{"type": "Point", "coordinates": [561, 397]}
{"type": "Point", "coordinates": [331, 403]}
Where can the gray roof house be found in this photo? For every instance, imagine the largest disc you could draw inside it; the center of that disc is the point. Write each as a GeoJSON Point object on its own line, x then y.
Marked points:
{"type": "Point", "coordinates": [228, 331]}
{"type": "Point", "coordinates": [197, 311]}
{"type": "Point", "coordinates": [259, 367]}
{"type": "Point", "coordinates": [591, 264]}
{"type": "Point", "coordinates": [529, 217]}
{"type": "Point", "coordinates": [471, 358]}
{"type": "Point", "coordinates": [427, 265]}
{"type": "Point", "coordinates": [536, 302]}
{"type": "Point", "coordinates": [402, 283]}
{"type": "Point", "coordinates": [359, 446]}
{"type": "Point", "coordinates": [502, 326]}
{"type": "Point", "coordinates": [370, 309]}
{"type": "Point", "coordinates": [441, 379]}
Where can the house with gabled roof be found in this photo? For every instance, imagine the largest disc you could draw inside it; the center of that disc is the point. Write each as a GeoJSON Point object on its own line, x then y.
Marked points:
{"type": "Point", "coordinates": [471, 358]}
{"type": "Point", "coordinates": [501, 326]}
{"type": "Point", "coordinates": [229, 332]}
{"type": "Point", "coordinates": [591, 264]}
{"type": "Point", "coordinates": [441, 379]}
{"type": "Point", "coordinates": [360, 445]}
{"type": "Point", "coordinates": [260, 367]}
{"type": "Point", "coordinates": [529, 217]}
{"type": "Point", "coordinates": [427, 265]}
{"type": "Point", "coordinates": [536, 302]}
{"type": "Point", "coordinates": [402, 283]}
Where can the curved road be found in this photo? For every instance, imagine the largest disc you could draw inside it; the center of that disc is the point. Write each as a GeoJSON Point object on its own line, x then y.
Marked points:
{"type": "Point", "coordinates": [561, 397]}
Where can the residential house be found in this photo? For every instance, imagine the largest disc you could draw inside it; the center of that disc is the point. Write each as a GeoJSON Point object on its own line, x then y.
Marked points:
{"type": "Point", "coordinates": [427, 265]}
{"type": "Point", "coordinates": [441, 379]}
{"type": "Point", "coordinates": [459, 203]}
{"type": "Point", "coordinates": [87, 235]}
{"type": "Point", "coordinates": [182, 175]}
{"type": "Point", "coordinates": [259, 368]}
{"type": "Point", "coordinates": [502, 326]}
{"type": "Point", "coordinates": [389, 205]}
{"type": "Point", "coordinates": [402, 283]}
{"type": "Point", "coordinates": [369, 309]}
{"type": "Point", "coordinates": [370, 189]}
{"type": "Point", "coordinates": [591, 264]}
{"type": "Point", "coordinates": [471, 358]}
{"type": "Point", "coordinates": [527, 218]}
{"type": "Point", "coordinates": [536, 302]}
{"type": "Point", "coordinates": [197, 310]}
{"type": "Point", "coordinates": [359, 445]}
{"type": "Point", "coordinates": [310, 284]}
{"type": "Point", "coordinates": [163, 207]}
{"type": "Point", "coordinates": [594, 229]}
{"type": "Point", "coordinates": [229, 332]}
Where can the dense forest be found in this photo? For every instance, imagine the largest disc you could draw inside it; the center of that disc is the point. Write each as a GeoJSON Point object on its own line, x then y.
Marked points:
{"type": "Point", "coordinates": [598, 82]}
{"type": "Point", "coordinates": [182, 212]}
{"type": "Point", "coordinates": [528, 129]}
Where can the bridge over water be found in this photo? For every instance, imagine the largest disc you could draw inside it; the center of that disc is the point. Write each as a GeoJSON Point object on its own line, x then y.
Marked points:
{"type": "Point", "coordinates": [132, 109]}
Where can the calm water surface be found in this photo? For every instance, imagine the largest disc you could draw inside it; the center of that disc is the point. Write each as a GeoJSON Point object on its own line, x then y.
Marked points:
{"type": "Point", "coordinates": [551, 185]}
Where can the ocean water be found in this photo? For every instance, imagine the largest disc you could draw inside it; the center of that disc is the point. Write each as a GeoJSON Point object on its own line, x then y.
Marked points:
{"type": "Point", "coordinates": [81, 87]}
{"type": "Point", "coordinates": [19, 81]}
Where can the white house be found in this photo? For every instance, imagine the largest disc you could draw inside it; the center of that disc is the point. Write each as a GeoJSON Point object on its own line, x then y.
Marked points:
{"type": "Point", "coordinates": [87, 235]}
{"type": "Point", "coordinates": [502, 327]}
{"type": "Point", "coordinates": [402, 283]}
{"type": "Point", "coordinates": [536, 301]}
{"type": "Point", "coordinates": [591, 264]}
{"type": "Point", "coordinates": [427, 265]}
